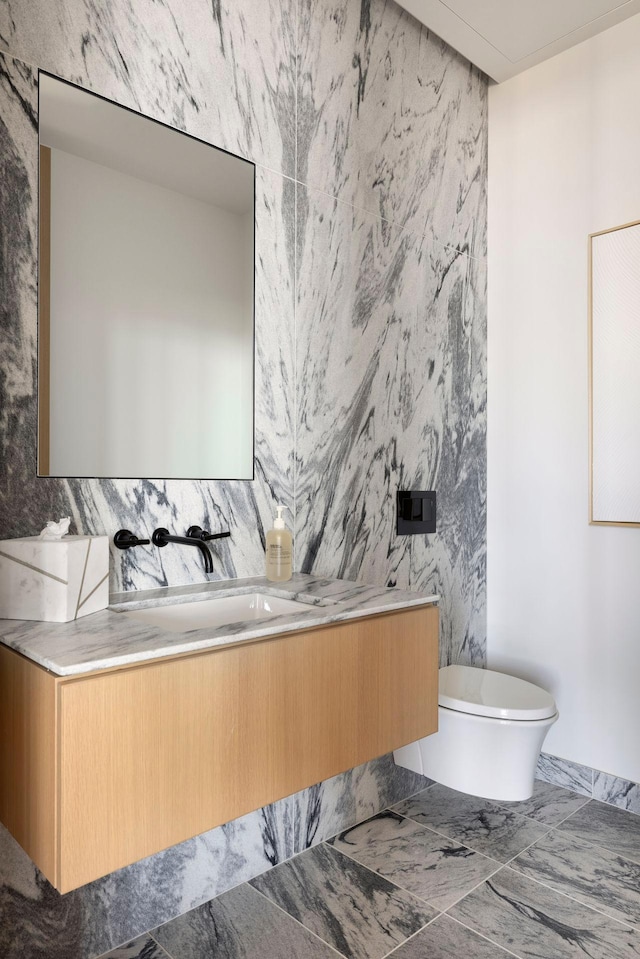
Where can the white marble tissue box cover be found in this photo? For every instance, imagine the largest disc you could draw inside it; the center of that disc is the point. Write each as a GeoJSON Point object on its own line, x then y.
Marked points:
{"type": "Point", "coordinates": [54, 581]}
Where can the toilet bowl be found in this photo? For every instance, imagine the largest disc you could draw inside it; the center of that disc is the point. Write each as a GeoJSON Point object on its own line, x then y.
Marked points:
{"type": "Point", "coordinates": [491, 727]}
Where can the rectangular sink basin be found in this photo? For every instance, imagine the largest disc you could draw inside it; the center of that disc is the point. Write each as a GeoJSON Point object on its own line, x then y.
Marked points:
{"type": "Point", "coordinates": [213, 613]}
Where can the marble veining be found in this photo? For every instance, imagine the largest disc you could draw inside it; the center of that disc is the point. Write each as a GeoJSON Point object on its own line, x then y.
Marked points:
{"type": "Point", "coordinates": [143, 948]}
{"type": "Point", "coordinates": [596, 877]}
{"type": "Point", "coordinates": [392, 120]}
{"type": "Point", "coordinates": [415, 858]}
{"type": "Point", "coordinates": [171, 59]}
{"type": "Point", "coordinates": [447, 939]}
{"type": "Point", "coordinates": [562, 772]}
{"type": "Point", "coordinates": [391, 395]}
{"type": "Point", "coordinates": [330, 806]}
{"type": "Point", "coordinates": [606, 826]}
{"type": "Point", "coordinates": [238, 925]}
{"type": "Point", "coordinates": [549, 804]}
{"type": "Point", "coordinates": [619, 792]}
{"type": "Point", "coordinates": [102, 506]}
{"type": "Point", "coordinates": [401, 136]}
{"type": "Point", "coordinates": [531, 921]}
{"type": "Point", "coordinates": [39, 923]}
{"type": "Point", "coordinates": [478, 823]}
{"type": "Point", "coordinates": [111, 638]}
{"type": "Point", "coordinates": [356, 911]}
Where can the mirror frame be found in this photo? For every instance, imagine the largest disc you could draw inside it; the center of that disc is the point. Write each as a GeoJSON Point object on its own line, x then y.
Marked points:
{"type": "Point", "coordinates": [43, 305]}
{"type": "Point", "coordinates": [592, 521]}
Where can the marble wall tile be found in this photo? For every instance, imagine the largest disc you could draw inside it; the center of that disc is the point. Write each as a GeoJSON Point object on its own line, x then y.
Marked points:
{"type": "Point", "coordinates": [223, 71]}
{"type": "Point", "coordinates": [392, 120]}
{"type": "Point", "coordinates": [337, 803]}
{"type": "Point", "coordinates": [103, 506]}
{"type": "Point", "coordinates": [391, 382]}
{"type": "Point", "coordinates": [616, 791]}
{"type": "Point", "coordinates": [38, 923]}
{"type": "Point", "coordinates": [562, 772]}
{"type": "Point", "coordinates": [402, 135]}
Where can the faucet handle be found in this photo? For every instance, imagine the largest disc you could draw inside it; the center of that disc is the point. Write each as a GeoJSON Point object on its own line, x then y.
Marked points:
{"type": "Point", "coordinates": [125, 539]}
{"type": "Point", "coordinates": [196, 532]}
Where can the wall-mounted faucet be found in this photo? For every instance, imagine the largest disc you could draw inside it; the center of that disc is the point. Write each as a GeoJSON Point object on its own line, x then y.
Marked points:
{"type": "Point", "coordinates": [196, 532]}
{"type": "Point", "coordinates": [125, 539]}
{"type": "Point", "coordinates": [195, 537]}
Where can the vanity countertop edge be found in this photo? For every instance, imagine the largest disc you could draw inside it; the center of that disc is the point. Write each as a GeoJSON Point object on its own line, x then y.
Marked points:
{"type": "Point", "coordinates": [109, 639]}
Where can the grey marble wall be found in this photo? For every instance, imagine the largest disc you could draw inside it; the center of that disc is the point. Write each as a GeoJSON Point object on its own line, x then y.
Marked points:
{"type": "Point", "coordinates": [369, 136]}
{"type": "Point", "coordinates": [390, 308]}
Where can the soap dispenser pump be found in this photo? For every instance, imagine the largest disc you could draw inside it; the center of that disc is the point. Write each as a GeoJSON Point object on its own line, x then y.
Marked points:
{"type": "Point", "coordinates": [279, 551]}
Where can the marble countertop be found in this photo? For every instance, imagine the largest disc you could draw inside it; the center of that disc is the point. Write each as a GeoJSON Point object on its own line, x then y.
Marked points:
{"type": "Point", "coordinates": [111, 638]}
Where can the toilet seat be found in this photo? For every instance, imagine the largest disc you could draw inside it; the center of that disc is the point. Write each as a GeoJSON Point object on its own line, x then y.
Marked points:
{"type": "Point", "coordinates": [484, 692]}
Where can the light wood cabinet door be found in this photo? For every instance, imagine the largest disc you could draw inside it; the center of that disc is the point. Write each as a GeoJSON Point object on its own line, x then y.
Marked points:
{"type": "Point", "coordinates": [153, 754]}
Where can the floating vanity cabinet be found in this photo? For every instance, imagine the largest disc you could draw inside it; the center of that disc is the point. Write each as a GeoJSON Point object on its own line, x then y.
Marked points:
{"type": "Point", "coordinates": [102, 769]}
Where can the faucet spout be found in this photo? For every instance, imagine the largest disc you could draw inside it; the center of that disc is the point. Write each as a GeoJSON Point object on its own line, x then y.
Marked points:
{"type": "Point", "coordinates": [162, 536]}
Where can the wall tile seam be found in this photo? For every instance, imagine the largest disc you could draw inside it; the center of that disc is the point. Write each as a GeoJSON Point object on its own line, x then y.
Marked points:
{"type": "Point", "coordinates": [592, 794]}
{"type": "Point", "coordinates": [448, 247]}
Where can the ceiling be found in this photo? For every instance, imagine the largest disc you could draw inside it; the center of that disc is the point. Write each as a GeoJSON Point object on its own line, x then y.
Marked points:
{"type": "Point", "coordinates": [505, 37]}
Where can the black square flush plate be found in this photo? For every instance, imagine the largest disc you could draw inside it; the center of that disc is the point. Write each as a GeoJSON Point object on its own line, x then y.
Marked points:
{"type": "Point", "coordinates": [416, 512]}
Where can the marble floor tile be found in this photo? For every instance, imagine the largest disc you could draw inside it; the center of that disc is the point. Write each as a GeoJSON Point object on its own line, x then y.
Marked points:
{"type": "Point", "coordinates": [618, 792]}
{"type": "Point", "coordinates": [447, 939]}
{"type": "Point", "coordinates": [331, 806]}
{"type": "Point", "coordinates": [241, 924]}
{"type": "Point", "coordinates": [143, 948]}
{"type": "Point", "coordinates": [478, 823]}
{"type": "Point", "coordinates": [595, 876]}
{"type": "Point", "coordinates": [415, 858]}
{"type": "Point", "coordinates": [563, 772]}
{"type": "Point", "coordinates": [614, 829]}
{"type": "Point", "coordinates": [535, 922]}
{"type": "Point", "coordinates": [550, 804]}
{"type": "Point", "coordinates": [356, 911]}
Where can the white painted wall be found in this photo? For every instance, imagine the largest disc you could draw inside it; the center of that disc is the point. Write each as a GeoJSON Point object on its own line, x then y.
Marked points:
{"type": "Point", "coordinates": [563, 596]}
{"type": "Point", "coordinates": [151, 329]}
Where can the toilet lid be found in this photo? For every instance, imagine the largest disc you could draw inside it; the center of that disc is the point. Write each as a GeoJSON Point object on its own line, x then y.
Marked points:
{"type": "Point", "coordinates": [483, 692]}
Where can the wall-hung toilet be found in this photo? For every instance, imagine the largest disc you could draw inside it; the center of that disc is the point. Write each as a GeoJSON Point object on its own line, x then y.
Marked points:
{"type": "Point", "coordinates": [491, 727]}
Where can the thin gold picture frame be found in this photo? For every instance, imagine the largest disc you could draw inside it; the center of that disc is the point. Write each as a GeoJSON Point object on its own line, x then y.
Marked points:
{"type": "Point", "coordinates": [592, 521]}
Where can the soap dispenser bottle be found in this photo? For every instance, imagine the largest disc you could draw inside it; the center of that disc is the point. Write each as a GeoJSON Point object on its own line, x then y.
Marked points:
{"type": "Point", "coordinates": [279, 551]}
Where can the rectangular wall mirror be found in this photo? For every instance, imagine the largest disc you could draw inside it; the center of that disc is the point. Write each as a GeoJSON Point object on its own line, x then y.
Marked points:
{"type": "Point", "coordinates": [146, 296]}
{"type": "Point", "coordinates": [614, 335]}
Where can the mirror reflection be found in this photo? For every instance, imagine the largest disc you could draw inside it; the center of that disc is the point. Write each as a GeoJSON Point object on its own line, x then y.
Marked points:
{"type": "Point", "coordinates": [146, 283]}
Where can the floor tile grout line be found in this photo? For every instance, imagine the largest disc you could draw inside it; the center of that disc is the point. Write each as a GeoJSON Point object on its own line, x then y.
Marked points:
{"type": "Point", "coordinates": [581, 841]}
{"type": "Point", "coordinates": [499, 866]}
{"type": "Point", "coordinates": [555, 824]}
{"type": "Point", "coordinates": [544, 835]}
{"type": "Point", "coordinates": [380, 876]}
{"type": "Point", "coordinates": [299, 923]}
{"type": "Point", "coordinates": [400, 945]}
{"type": "Point", "coordinates": [161, 947]}
{"type": "Point", "coordinates": [579, 902]}
{"type": "Point", "coordinates": [466, 844]}
{"type": "Point", "coordinates": [359, 822]}
{"type": "Point", "coordinates": [483, 936]}
{"type": "Point", "coordinates": [473, 888]}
